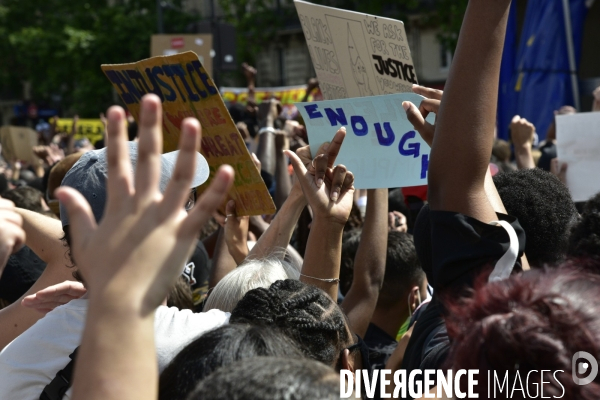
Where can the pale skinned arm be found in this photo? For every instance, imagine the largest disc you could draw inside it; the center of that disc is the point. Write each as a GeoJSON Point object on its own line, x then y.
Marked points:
{"type": "Point", "coordinates": [43, 237]}
{"type": "Point", "coordinates": [369, 263]}
{"type": "Point", "coordinates": [133, 257]}
{"type": "Point", "coordinates": [463, 136]}
{"type": "Point", "coordinates": [223, 262]}
{"type": "Point", "coordinates": [279, 233]}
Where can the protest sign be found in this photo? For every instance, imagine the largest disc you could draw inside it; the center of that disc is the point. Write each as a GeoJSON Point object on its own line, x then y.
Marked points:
{"type": "Point", "coordinates": [286, 94]}
{"type": "Point", "coordinates": [186, 90]}
{"type": "Point", "coordinates": [381, 147]}
{"type": "Point", "coordinates": [17, 143]}
{"type": "Point", "coordinates": [93, 129]}
{"type": "Point", "coordinates": [578, 145]}
{"type": "Point", "coordinates": [354, 54]}
{"type": "Point", "coordinates": [167, 45]}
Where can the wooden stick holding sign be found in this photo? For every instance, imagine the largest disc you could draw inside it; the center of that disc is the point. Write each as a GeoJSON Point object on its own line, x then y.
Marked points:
{"type": "Point", "coordinates": [186, 90]}
{"type": "Point", "coordinates": [381, 147]}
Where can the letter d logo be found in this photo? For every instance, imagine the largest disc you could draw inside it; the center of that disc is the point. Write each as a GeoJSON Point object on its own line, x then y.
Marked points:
{"type": "Point", "coordinates": [584, 367]}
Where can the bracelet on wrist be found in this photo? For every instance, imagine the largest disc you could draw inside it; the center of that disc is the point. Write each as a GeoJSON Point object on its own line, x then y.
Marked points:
{"type": "Point", "coordinates": [331, 280]}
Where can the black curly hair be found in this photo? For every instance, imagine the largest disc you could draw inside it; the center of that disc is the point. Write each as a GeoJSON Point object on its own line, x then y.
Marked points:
{"type": "Point", "coordinates": [303, 312]}
{"type": "Point", "coordinates": [221, 347]}
{"type": "Point", "coordinates": [270, 378]}
{"type": "Point", "coordinates": [545, 209]}
{"type": "Point", "coordinates": [585, 235]}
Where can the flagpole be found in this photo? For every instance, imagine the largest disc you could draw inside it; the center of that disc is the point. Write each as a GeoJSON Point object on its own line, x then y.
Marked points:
{"type": "Point", "coordinates": [571, 51]}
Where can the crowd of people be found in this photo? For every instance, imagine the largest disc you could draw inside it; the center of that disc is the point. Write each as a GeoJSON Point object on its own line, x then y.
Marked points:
{"type": "Point", "coordinates": [120, 281]}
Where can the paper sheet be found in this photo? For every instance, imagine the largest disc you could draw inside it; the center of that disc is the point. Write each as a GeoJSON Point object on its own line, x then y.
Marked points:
{"type": "Point", "coordinates": [381, 147]}
{"type": "Point", "coordinates": [578, 144]}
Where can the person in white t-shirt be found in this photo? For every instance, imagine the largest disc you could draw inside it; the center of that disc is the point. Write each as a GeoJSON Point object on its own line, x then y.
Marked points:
{"type": "Point", "coordinates": [33, 359]}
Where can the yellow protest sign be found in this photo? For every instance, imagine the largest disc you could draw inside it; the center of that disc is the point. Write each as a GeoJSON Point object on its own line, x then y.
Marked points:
{"type": "Point", "coordinates": [93, 129]}
{"type": "Point", "coordinates": [286, 95]}
{"type": "Point", "coordinates": [186, 90]}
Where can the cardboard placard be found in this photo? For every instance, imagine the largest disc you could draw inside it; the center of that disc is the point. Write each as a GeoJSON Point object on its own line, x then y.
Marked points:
{"type": "Point", "coordinates": [167, 45]}
{"type": "Point", "coordinates": [578, 144]}
{"type": "Point", "coordinates": [93, 129]}
{"type": "Point", "coordinates": [354, 54]}
{"type": "Point", "coordinates": [186, 90]}
{"type": "Point", "coordinates": [381, 147]}
{"type": "Point", "coordinates": [18, 143]}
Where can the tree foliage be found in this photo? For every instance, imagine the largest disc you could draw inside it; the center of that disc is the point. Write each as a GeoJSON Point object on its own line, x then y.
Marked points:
{"type": "Point", "coordinates": [58, 46]}
{"type": "Point", "coordinates": [258, 21]}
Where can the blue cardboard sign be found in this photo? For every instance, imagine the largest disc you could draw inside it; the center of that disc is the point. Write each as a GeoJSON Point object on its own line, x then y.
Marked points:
{"type": "Point", "coordinates": [381, 148]}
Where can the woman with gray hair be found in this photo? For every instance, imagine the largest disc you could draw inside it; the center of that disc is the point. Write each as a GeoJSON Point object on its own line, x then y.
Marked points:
{"type": "Point", "coordinates": [251, 274]}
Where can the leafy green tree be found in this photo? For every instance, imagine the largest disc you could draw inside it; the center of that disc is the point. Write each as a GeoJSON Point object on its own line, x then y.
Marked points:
{"type": "Point", "coordinates": [58, 46]}
{"type": "Point", "coordinates": [258, 21]}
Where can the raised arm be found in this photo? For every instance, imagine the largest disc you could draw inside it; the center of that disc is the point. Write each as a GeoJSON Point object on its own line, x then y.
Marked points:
{"type": "Point", "coordinates": [43, 237]}
{"type": "Point", "coordinates": [464, 130]}
{"type": "Point", "coordinates": [329, 191]}
{"type": "Point", "coordinates": [522, 134]}
{"type": "Point", "coordinates": [132, 258]}
{"type": "Point", "coordinates": [369, 263]}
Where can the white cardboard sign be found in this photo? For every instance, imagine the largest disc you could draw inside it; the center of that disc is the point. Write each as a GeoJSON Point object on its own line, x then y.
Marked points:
{"type": "Point", "coordinates": [381, 147]}
{"type": "Point", "coordinates": [578, 144]}
{"type": "Point", "coordinates": [356, 55]}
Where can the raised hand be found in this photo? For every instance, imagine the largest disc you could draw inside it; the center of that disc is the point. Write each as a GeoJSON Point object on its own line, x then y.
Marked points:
{"type": "Point", "coordinates": [522, 132]}
{"type": "Point", "coordinates": [236, 233]}
{"type": "Point", "coordinates": [330, 201]}
{"type": "Point", "coordinates": [145, 238]}
{"type": "Point", "coordinates": [324, 159]}
{"type": "Point", "coordinates": [416, 115]}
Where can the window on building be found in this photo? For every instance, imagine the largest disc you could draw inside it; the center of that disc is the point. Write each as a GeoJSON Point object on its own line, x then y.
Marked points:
{"type": "Point", "coordinates": [445, 57]}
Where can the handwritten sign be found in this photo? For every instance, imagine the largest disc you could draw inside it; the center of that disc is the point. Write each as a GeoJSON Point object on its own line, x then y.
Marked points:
{"type": "Point", "coordinates": [186, 90]}
{"type": "Point", "coordinates": [286, 95]}
{"type": "Point", "coordinates": [93, 129]}
{"type": "Point", "coordinates": [381, 148]}
{"type": "Point", "coordinates": [356, 55]}
{"type": "Point", "coordinates": [578, 144]}
{"type": "Point", "coordinates": [18, 142]}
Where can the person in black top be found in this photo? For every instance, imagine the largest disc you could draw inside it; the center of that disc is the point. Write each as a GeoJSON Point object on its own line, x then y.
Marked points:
{"type": "Point", "coordinates": [465, 232]}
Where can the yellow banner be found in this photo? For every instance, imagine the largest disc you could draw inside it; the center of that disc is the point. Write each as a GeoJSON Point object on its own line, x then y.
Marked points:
{"type": "Point", "coordinates": [186, 90]}
{"type": "Point", "coordinates": [286, 95]}
{"type": "Point", "coordinates": [93, 129]}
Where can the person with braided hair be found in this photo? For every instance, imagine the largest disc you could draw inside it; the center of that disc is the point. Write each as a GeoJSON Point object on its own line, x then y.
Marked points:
{"type": "Point", "coordinates": [303, 312]}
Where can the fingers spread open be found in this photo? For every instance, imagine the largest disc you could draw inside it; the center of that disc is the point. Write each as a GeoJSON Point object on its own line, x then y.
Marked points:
{"type": "Point", "coordinates": [210, 200]}
{"type": "Point", "coordinates": [149, 148]}
{"type": "Point", "coordinates": [337, 181]}
{"type": "Point", "coordinates": [428, 92]}
{"type": "Point", "coordinates": [119, 182]}
{"type": "Point", "coordinates": [178, 189]}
